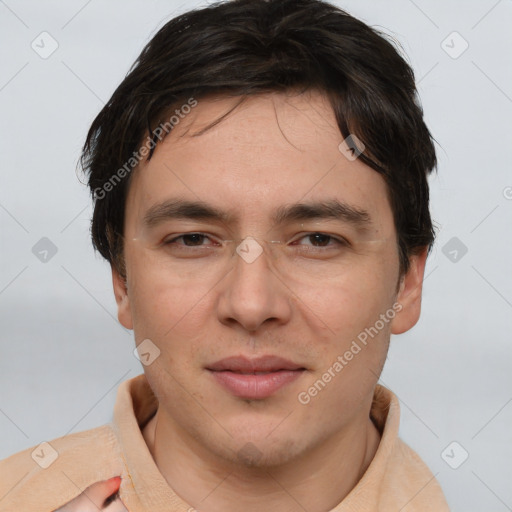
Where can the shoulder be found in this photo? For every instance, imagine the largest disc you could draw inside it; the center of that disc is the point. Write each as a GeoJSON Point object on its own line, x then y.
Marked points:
{"type": "Point", "coordinates": [47, 475]}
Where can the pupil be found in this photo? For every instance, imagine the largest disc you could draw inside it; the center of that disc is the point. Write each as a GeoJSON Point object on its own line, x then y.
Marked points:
{"type": "Point", "coordinates": [195, 238]}
{"type": "Point", "coordinates": [320, 238]}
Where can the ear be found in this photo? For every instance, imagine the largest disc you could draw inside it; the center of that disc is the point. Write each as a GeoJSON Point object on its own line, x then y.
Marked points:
{"type": "Point", "coordinates": [409, 294]}
{"type": "Point", "coordinates": [124, 313]}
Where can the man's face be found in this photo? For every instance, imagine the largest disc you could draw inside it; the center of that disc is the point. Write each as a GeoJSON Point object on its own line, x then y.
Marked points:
{"type": "Point", "coordinates": [306, 299]}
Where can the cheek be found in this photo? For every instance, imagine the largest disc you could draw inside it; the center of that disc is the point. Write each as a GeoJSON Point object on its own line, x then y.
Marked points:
{"type": "Point", "coordinates": [164, 311]}
{"type": "Point", "coordinates": [164, 303]}
{"type": "Point", "coordinates": [346, 304]}
{"type": "Point", "coordinates": [353, 349]}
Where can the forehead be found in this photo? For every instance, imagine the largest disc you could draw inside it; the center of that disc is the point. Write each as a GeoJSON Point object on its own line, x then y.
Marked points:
{"type": "Point", "coordinates": [270, 150]}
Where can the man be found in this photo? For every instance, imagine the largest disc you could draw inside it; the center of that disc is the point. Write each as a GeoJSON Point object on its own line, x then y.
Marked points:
{"type": "Point", "coordinates": [260, 187]}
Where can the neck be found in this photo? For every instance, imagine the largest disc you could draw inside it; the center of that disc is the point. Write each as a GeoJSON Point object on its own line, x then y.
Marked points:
{"type": "Point", "coordinates": [317, 481]}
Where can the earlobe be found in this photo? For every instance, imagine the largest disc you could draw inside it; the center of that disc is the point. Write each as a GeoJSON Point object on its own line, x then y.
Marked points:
{"type": "Point", "coordinates": [409, 294]}
{"type": "Point", "coordinates": [124, 313]}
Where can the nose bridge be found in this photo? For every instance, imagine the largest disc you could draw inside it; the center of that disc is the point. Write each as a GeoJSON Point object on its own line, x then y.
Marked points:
{"type": "Point", "coordinates": [253, 270]}
{"type": "Point", "coordinates": [256, 258]}
{"type": "Point", "coordinates": [253, 293]}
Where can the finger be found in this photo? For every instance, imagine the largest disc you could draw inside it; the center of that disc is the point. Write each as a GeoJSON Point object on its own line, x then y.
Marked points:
{"type": "Point", "coordinates": [98, 496]}
{"type": "Point", "coordinates": [101, 493]}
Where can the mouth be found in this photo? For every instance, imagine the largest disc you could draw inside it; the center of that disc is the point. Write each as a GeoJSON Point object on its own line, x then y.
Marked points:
{"type": "Point", "coordinates": [256, 378]}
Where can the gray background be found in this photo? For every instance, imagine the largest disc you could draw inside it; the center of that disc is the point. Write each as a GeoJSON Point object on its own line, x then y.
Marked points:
{"type": "Point", "coordinates": [63, 353]}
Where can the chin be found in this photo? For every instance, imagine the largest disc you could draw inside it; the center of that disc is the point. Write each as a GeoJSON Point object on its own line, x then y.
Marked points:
{"type": "Point", "coordinates": [262, 453]}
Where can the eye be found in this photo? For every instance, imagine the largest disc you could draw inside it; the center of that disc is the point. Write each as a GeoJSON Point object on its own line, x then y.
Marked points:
{"type": "Point", "coordinates": [192, 245]}
{"type": "Point", "coordinates": [318, 240]}
{"type": "Point", "coordinates": [189, 240]}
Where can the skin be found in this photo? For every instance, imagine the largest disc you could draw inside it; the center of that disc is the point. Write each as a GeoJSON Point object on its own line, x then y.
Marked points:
{"type": "Point", "coordinates": [272, 150]}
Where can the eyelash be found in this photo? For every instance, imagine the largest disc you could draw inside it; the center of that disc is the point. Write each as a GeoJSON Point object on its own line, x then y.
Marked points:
{"type": "Point", "coordinates": [339, 241]}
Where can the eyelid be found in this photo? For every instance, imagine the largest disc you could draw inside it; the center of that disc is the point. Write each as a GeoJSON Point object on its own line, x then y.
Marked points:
{"type": "Point", "coordinates": [175, 237]}
{"type": "Point", "coordinates": [336, 238]}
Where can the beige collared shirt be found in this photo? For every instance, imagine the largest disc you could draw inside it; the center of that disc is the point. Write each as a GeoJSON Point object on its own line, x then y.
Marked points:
{"type": "Point", "coordinates": [44, 478]}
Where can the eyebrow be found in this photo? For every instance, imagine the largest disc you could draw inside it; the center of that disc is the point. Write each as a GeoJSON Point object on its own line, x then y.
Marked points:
{"type": "Point", "coordinates": [315, 210]}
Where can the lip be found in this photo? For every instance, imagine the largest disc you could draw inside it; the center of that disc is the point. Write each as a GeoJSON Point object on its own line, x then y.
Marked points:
{"type": "Point", "coordinates": [244, 364]}
{"type": "Point", "coordinates": [255, 378]}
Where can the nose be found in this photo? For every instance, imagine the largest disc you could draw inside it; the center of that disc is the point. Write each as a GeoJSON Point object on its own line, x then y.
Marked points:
{"type": "Point", "coordinates": [253, 293]}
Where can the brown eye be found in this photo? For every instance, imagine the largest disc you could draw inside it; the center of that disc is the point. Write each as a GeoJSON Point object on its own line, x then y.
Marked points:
{"type": "Point", "coordinates": [319, 240]}
{"type": "Point", "coordinates": [188, 240]}
{"type": "Point", "coordinates": [194, 239]}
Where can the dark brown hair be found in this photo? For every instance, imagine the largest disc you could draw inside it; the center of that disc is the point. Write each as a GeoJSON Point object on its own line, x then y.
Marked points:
{"type": "Point", "coordinates": [246, 47]}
